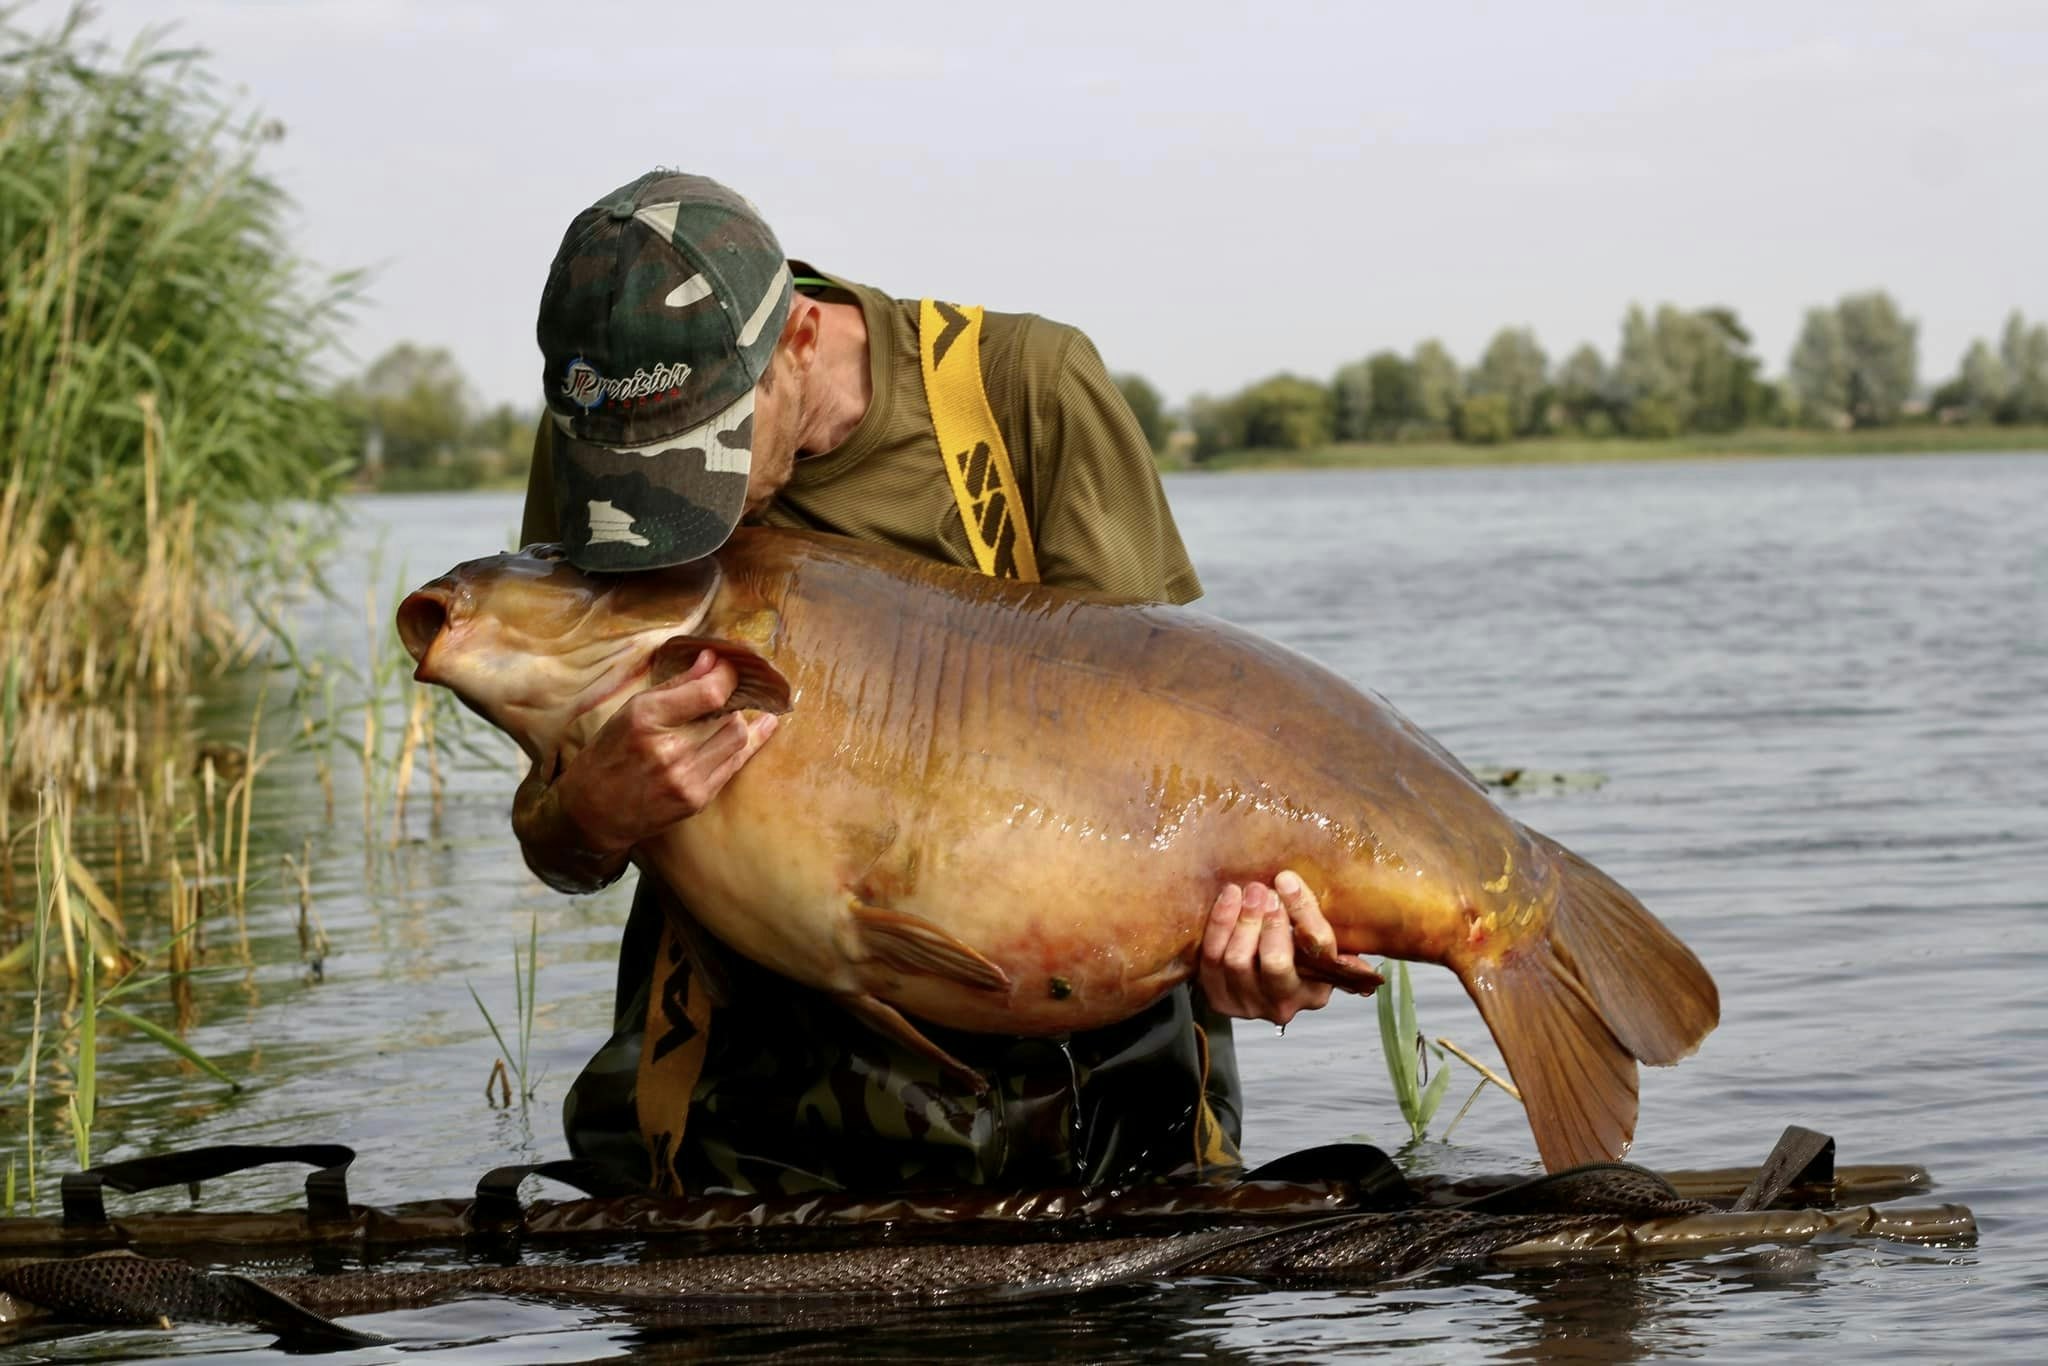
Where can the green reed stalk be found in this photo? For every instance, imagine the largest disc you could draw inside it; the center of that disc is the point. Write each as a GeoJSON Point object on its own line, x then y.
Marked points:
{"type": "Point", "coordinates": [524, 997]}
{"type": "Point", "coordinates": [35, 1033]}
{"type": "Point", "coordinates": [84, 1099]}
{"type": "Point", "coordinates": [1407, 1052]}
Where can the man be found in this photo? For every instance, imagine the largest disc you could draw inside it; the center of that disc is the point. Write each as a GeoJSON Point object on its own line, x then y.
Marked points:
{"type": "Point", "coordinates": [695, 377]}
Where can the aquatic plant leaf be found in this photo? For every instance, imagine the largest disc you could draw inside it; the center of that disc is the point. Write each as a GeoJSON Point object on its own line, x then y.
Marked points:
{"type": "Point", "coordinates": [505, 1052]}
{"type": "Point", "coordinates": [1400, 1058]}
{"type": "Point", "coordinates": [173, 1043]}
{"type": "Point", "coordinates": [1433, 1094]}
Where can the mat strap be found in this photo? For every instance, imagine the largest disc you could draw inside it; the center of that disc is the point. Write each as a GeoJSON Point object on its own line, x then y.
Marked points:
{"type": "Point", "coordinates": [326, 1188]}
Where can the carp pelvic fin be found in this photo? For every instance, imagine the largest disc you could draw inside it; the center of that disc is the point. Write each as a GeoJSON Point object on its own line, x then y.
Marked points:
{"type": "Point", "coordinates": [761, 686]}
{"type": "Point", "coordinates": [887, 1021]}
{"type": "Point", "coordinates": [910, 943]}
{"type": "Point", "coordinates": [1342, 972]}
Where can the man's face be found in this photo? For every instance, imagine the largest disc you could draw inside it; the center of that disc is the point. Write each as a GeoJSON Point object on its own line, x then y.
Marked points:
{"type": "Point", "coordinates": [779, 413]}
{"type": "Point", "coordinates": [775, 436]}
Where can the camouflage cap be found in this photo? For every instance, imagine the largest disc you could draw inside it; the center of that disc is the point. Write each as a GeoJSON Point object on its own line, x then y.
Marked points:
{"type": "Point", "coordinates": [660, 314]}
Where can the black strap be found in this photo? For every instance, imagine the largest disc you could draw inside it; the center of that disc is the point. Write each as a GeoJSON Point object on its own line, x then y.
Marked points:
{"type": "Point", "coordinates": [1800, 1157]}
{"type": "Point", "coordinates": [1375, 1181]}
{"type": "Point", "coordinates": [326, 1188]}
{"type": "Point", "coordinates": [497, 1194]}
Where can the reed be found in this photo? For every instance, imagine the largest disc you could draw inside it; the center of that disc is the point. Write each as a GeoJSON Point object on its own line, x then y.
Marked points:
{"type": "Point", "coordinates": [74, 923]}
{"type": "Point", "coordinates": [523, 1002]}
{"type": "Point", "coordinates": [165, 437]}
{"type": "Point", "coordinates": [1407, 1052]}
{"type": "Point", "coordinates": [168, 451]}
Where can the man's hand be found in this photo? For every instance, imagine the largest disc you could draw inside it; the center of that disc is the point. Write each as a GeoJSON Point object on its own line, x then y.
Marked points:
{"type": "Point", "coordinates": [661, 758]}
{"type": "Point", "coordinates": [1247, 967]}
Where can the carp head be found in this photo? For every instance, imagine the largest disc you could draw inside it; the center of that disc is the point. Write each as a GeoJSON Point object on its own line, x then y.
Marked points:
{"type": "Point", "coordinates": [539, 648]}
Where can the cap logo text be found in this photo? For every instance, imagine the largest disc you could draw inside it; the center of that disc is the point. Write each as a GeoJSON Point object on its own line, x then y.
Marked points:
{"type": "Point", "coordinates": [584, 387]}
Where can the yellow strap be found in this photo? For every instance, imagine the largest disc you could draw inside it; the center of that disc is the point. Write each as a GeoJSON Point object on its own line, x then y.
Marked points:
{"type": "Point", "coordinates": [671, 1057]}
{"type": "Point", "coordinates": [971, 445]}
{"type": "Point", "coordinates": [1215, 1154]}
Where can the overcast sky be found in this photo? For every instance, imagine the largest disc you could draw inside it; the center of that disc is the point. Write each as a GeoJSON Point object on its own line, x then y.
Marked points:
{"type": "Point", "coordinates": [1214, 192]}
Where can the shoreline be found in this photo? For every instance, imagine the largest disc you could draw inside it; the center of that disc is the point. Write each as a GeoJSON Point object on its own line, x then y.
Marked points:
{"type": "Point", "coordinates": [1556, 450]}
{"type": "Point", "coordinates": [1545, 450]}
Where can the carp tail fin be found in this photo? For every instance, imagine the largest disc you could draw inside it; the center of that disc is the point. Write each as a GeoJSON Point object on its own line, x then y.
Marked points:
{"type": "Point", "coordinates": [1578, 1083]}
{"type": "Point", "coordinates": [1654, 994]}
{"type": "Point", "coordinates": [1574, 1011]}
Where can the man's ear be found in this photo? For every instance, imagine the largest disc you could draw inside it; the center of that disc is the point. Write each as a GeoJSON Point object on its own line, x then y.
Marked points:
{"type": "Point", "coordinates": [800, 332]}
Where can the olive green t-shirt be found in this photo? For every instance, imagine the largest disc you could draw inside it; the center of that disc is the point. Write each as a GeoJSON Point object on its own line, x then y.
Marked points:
{"type": "Point", "coordinates": [793, 1099]}
{"type": "Point", "coordinates": [1097, 514]}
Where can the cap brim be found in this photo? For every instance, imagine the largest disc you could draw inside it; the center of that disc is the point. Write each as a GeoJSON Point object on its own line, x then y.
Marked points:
{"type": "Point", "coordinates": [666, 502]}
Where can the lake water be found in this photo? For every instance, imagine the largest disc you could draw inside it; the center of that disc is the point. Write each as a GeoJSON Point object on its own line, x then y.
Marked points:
{"type": "Point", "coordinates": [1818, 691]}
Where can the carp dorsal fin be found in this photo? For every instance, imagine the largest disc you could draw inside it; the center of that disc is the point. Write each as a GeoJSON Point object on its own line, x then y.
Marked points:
{"type": "Point", "coordinates": [910, 943]}
{"type": "Point", "coordinates": [761, 687]}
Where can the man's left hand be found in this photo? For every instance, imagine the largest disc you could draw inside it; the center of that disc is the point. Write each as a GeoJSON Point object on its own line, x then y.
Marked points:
{"type": "Point", "coordinates": [1247, 967]}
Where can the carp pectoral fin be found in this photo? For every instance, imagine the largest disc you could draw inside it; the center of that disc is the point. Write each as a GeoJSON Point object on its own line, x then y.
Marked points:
{"type": "Point", "coordinates": [910, 943]}
{"type": "Point", "coordinates": [761, 687]}
{"type": "Point", "coordinates": [1341, 972]}
{"type": "Point", "coordinates": [887, 1021]}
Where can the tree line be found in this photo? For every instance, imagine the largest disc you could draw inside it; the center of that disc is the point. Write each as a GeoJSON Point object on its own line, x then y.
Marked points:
{"type": "Point", "coordinates": [1676, 371]}
{"type": "Point", "coordinates": [414, 422]}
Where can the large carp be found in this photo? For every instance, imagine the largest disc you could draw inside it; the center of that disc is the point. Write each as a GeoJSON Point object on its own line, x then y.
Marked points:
{"type": "Point", "coordinates": [1008, 808]}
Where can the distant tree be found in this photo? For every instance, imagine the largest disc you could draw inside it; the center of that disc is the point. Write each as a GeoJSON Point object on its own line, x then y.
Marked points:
{"type": "Point", "coordinates": [1581, 384]}
{"type": "Point", "coordinates": [1728, 390]}
{"type": "Point", "coordinates": [1819, 369]}
{"type": "Point", "coordinates": [501, 438]}
{"type": "Point", "coordinates": [1857, 360]}
{"type": "Point", "coordinates": [1396, 397]}
{"type": "Point", "coordinates": [1351, 402]}
{"type": "Point", "coordinates": [1654, 418]}
{"type": "Point", "coordinates": [1486, 419]}
{"type": "Point", "coordinates": [1884, 351]}
{"type": "Point", "coordinates": [1978, 392]}
{"type": "Point", "coordinates": [1514, 368]}
{"type": "Point", "coordinates": [411, 406]}
{"type": "Point", "coordinates": [2023, 351]}
{"type": "Point", "coordinates": [1147, 407]}
{"type": "Point", "coordinates": [1438, 385]}
{"type": "Point", "coordinates": [1285, 413]}
{"type": "Point", "coordinates": [1218, 425]}
{"type": "Point", "coordinates": [1694, 366]}
{"type": "Point", "coordinates": [1643, 373]}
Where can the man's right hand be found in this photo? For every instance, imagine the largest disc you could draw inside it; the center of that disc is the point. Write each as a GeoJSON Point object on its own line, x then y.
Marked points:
{"type": "Point", "coordinates": [661, 758]}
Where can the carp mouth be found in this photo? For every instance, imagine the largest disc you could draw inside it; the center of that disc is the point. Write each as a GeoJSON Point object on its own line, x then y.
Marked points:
{"type": "Point", "coordinates": [543, 654]}
{"type": "Point", "coordinates": [422, 617]}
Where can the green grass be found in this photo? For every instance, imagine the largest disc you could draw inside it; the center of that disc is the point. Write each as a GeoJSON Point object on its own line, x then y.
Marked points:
{"type": "Point", "coordinates": [1562, 450]}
